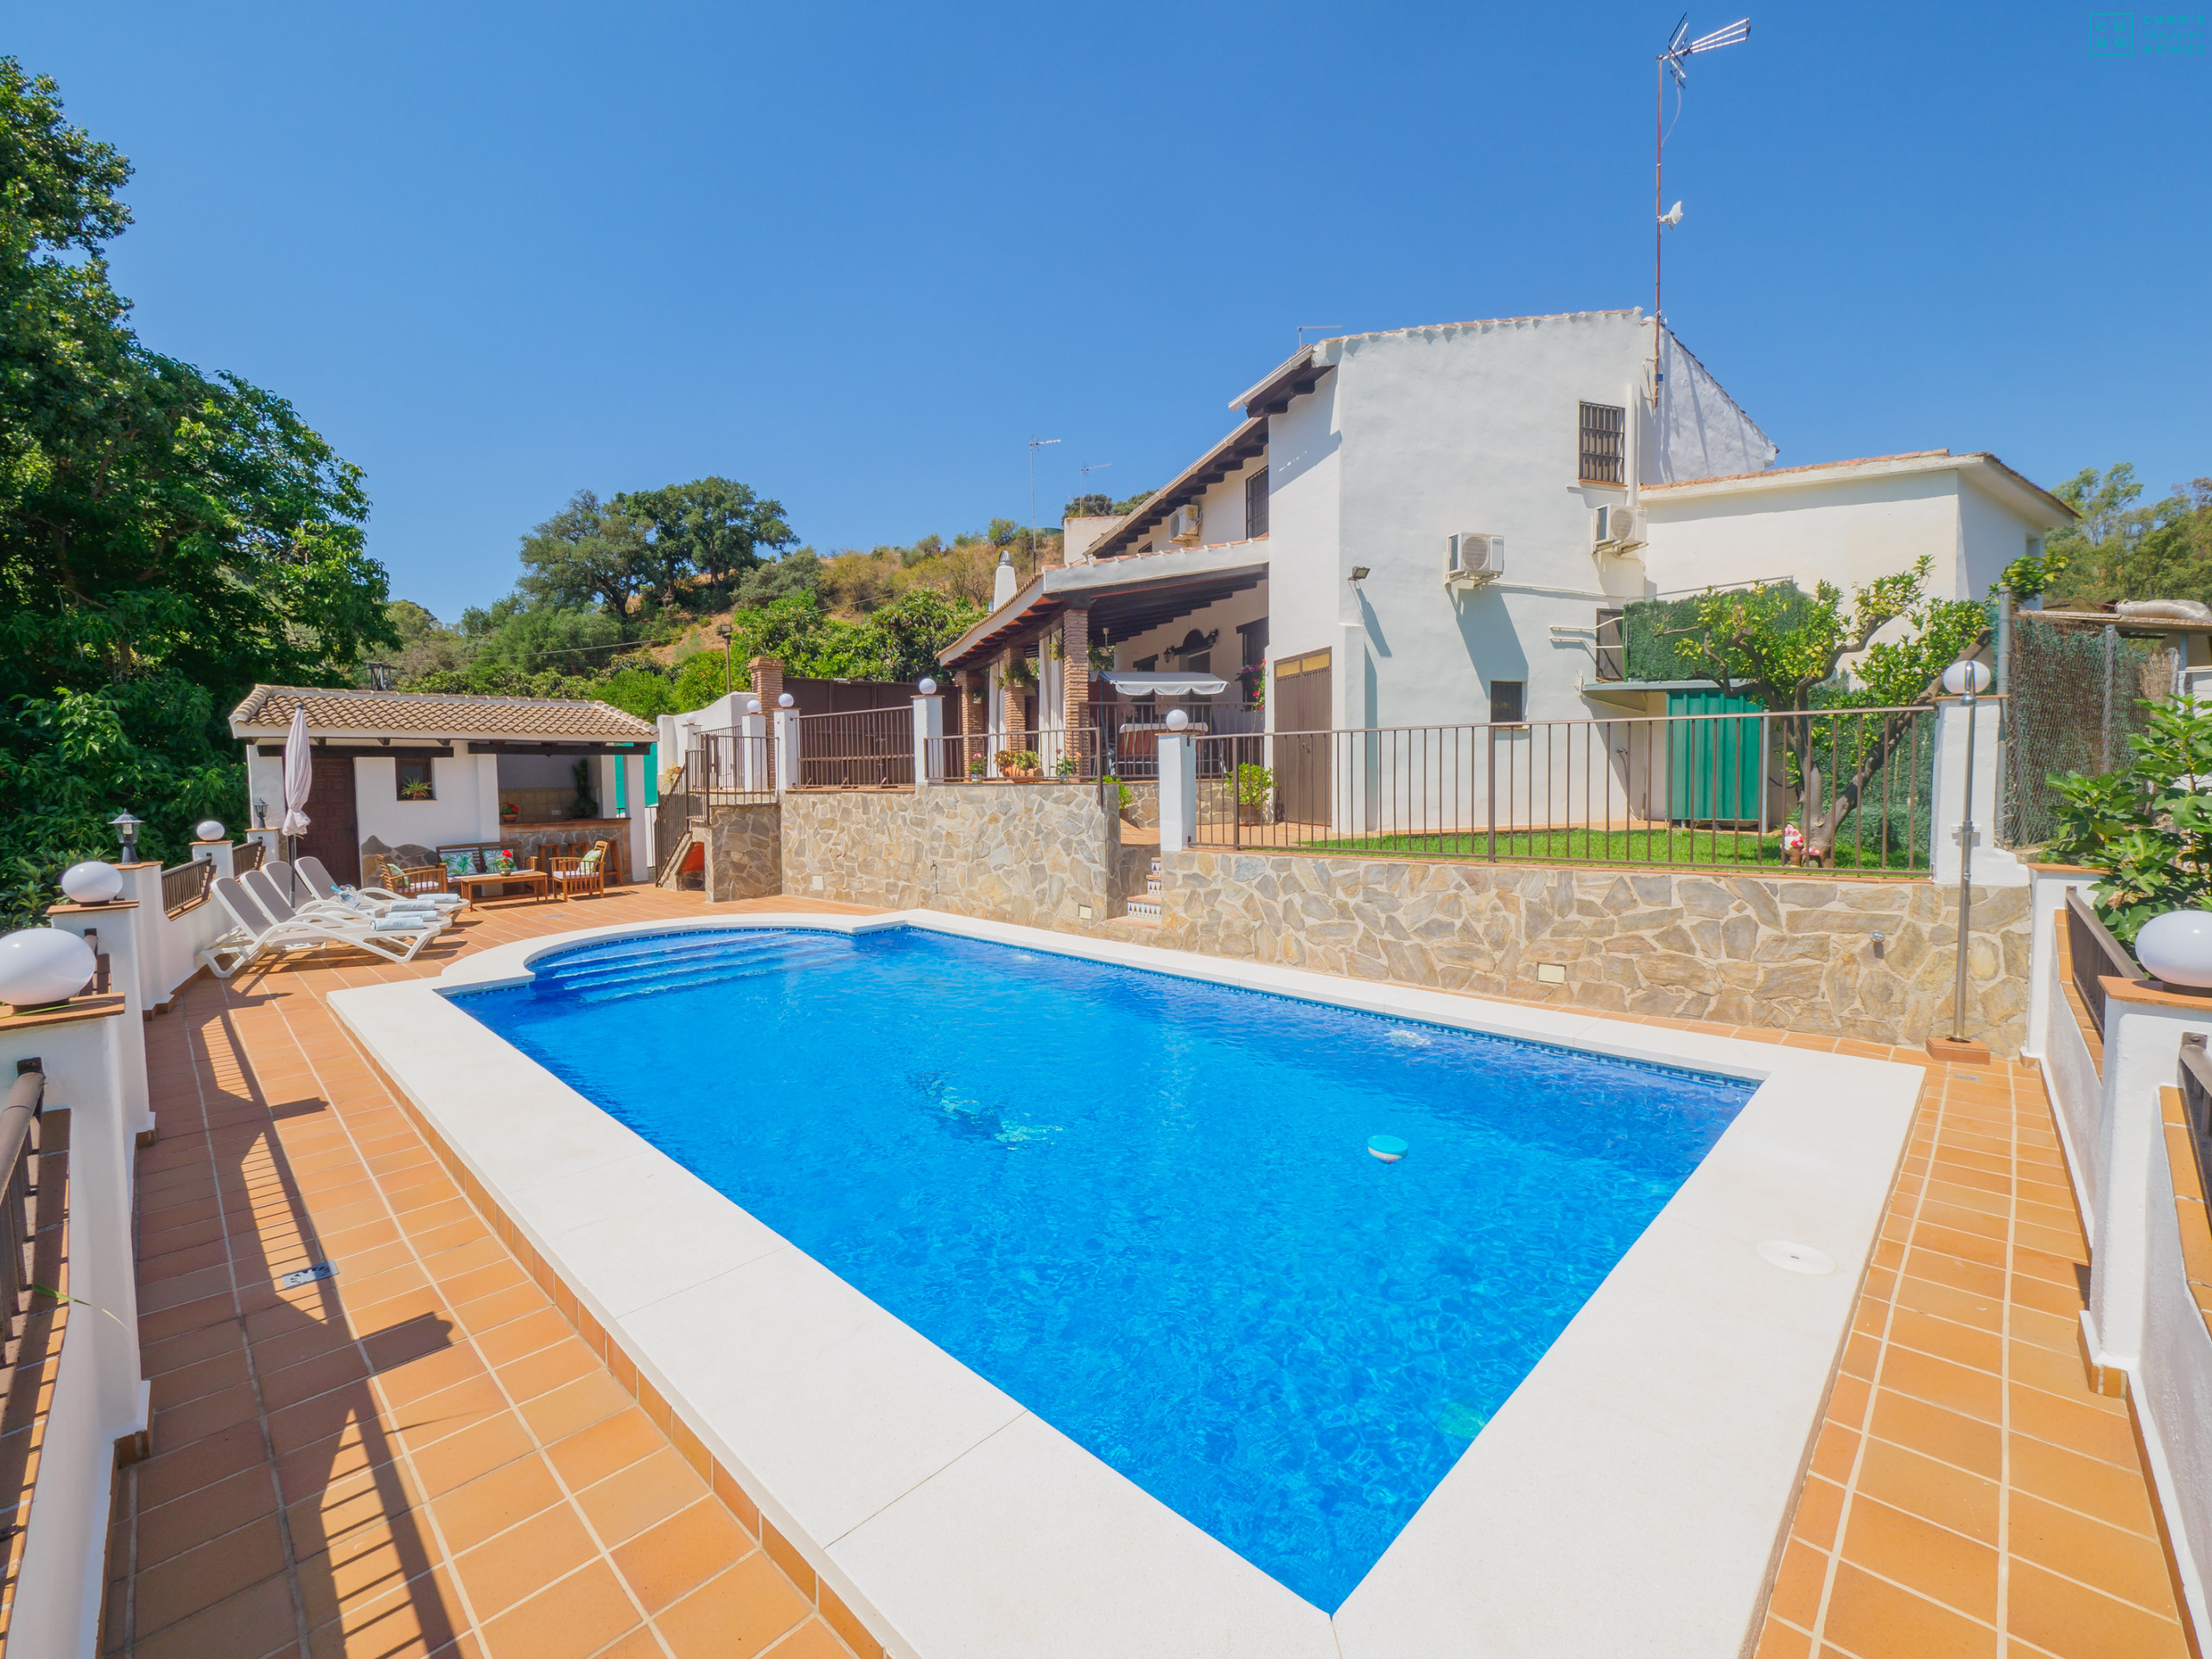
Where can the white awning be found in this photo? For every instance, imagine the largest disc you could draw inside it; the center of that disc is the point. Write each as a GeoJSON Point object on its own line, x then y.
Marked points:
{"type": "Point", "coordinates": [1164, 685]}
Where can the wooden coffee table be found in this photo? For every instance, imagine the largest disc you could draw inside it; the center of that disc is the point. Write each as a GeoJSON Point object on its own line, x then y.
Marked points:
{"type": "Point", "coordinates": [471, 887]}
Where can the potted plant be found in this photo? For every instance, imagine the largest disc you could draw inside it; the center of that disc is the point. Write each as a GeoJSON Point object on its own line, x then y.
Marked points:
{"type": "Point", "coordinates": [1019, 763]}
{"type": "Point", "coordinates": [1065, 766]}
{"type": "Point", "coordinates": [510, 813]}
{"type": "Point", "coordinates": [415, 788]}
{"type": "Point", "coordinates": [1254, 681]}
{"type": "Point", "coordinates": [1256, 789]}
{"type": "Point", "coordinates": [975, 766]}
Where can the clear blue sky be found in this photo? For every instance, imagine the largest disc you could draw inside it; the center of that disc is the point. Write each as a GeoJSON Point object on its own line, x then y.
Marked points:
{"type": "Point", "coordinates": [855, 255]}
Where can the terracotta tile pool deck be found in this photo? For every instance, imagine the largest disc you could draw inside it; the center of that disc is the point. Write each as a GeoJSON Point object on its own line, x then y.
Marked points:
{"type": "Point", "coordinates": [418, 1456]}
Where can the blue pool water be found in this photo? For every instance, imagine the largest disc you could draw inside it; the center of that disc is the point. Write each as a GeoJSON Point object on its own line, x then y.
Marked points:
{"type": "Point", "coordinates": [1144, 1206]}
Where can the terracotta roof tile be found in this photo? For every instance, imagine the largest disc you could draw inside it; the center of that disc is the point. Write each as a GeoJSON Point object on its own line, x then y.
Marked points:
{"type": "Point", "coordinates": [330, 710]}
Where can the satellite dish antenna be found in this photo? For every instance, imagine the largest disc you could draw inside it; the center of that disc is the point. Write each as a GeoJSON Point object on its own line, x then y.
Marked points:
{"type": "Point", "coordinates": [1673, 215]}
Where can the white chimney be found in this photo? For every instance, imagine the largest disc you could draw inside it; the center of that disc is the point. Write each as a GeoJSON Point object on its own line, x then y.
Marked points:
{"type": "Point", "coordinates": [1003, 584]}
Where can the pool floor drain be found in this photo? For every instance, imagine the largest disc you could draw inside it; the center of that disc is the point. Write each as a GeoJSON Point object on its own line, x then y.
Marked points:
{"type": "Point", "coordinates": [1796, 1258]}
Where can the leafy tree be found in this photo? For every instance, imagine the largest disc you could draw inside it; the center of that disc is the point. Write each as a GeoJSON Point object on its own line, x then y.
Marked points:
{"type": "Point", "coordinates": [2147, 825]}
{"type": "Point", "coordinates": [911, 629]}
{"type": "Point", "coordinates": [1089, 507]}
{"type": "Point", "coordinates": [586, 554]}
{"type": "Point", "coordinates": [167, 537]}
{"type": "Point", "coordinates": [715, 529]}
{"type": "Point", "coordinates": [2124, 550]}
{"type": "Point", "coordinates": [794, 574]}
{"type": "Point", "coordinates": [1131, 503]}
{"type": "Point", "coordinates": [1766, 643]}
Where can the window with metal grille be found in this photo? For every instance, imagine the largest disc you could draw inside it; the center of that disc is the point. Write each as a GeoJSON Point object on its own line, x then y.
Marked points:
{"type": "Point", "coordinates": [1509, 702]}
{"type": "Point", "coordinates": [1612, 652]}
{"type": "Point", "coordinates": [1604, 444]}
{"type": "Point", "coordinates": [1256, 503]}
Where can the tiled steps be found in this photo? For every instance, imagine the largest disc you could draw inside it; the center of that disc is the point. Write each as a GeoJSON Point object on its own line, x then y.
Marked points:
{"type": "Point", "coordinates": [1148, 912]}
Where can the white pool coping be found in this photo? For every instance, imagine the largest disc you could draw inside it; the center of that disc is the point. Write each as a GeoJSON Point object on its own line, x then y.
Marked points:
{"type": "Point", "coordinates": [1630, 1495]}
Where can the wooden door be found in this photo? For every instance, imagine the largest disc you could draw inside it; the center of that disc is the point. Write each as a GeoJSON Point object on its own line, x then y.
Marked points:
{"type": "Point", "coordinates": [1302, 715]}
{"type": "Point", "coordinates": [334, 825]}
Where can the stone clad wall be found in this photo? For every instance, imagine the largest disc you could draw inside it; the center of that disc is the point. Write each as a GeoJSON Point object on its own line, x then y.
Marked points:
{"type": "Point", "coordinates": [1027, 853]}
{"type": "Point", "coordinates": [1795, 955]}
{"type": "Point", "coordinates": [745, 852]}
{"type": "Point", "coordinates": [1777, 953]}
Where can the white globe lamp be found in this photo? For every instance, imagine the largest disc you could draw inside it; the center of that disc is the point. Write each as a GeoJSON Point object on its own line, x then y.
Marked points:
{"type": "Point", "coordinates": [1177, 720]}
{"type": "Point", "coordinates": [41, 965]}
{"type": "Point", "coordinates": [784, 701]}
{"type": "Point", "coordinates": [1966, 679]}
{"type": "Point", "coordinates": [95, 881]}
{"type": "Point", "coordinates": [209, 830]}
{"type": "Point", "coordinates": [927, 687]}
{"type": "Point", "coordinates": [753, 706]}
{"type": "Point", "coordinates": [2176, 948]}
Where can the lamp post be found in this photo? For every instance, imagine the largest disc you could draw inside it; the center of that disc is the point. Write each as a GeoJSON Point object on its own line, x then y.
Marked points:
{"type": "Point", "coordinates": [126, 829]}
{"type": "Point", "coordinates": [727, 685]}
{"type": "Point", "coordinates": [1965, 680]}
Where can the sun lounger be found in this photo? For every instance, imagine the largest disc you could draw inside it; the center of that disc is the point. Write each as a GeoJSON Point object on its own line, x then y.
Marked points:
{"type": "Point", "coordinates": [267, 923]}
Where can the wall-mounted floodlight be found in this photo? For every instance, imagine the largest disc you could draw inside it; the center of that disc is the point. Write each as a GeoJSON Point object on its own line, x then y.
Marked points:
{"type": "Point", "coordinates": [1359, 573]}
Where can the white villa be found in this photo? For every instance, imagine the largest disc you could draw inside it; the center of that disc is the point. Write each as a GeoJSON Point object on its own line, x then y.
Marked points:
{"type": "Point", "coordinates": [1429, 526]}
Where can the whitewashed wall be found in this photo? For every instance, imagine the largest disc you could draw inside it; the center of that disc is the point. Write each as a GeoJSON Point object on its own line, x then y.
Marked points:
{"type": "Point", "coordinates": [1848, 531]}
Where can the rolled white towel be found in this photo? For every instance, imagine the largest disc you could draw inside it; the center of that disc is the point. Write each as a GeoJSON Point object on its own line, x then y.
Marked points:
{"type": "Point", "coordinates": [403, 924]}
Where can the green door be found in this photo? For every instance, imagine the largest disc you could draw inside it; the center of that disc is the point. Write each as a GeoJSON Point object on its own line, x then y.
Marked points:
{"type": "Point", "coordinates": [1712, 766]}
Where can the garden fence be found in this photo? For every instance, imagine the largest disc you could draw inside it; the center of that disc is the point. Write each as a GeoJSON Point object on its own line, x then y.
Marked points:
{"type": "Point", "coordinates": [2077, 692]}
{"type": "Point", "coordinates": [1845, 789]}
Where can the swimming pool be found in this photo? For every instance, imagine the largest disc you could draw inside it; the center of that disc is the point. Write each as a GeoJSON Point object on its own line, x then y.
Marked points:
{"type": "Point", "coordinates": [1142, 1205]}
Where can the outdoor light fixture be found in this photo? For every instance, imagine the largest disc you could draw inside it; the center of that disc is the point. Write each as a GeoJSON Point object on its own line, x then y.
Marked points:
{"type": "Point", "coordinates": [1359, 573]}
{"type": "Point", "coordinates": [126, 829]}
{"type": "Point", "coordinates": [753, 706]}
{"type": "Point", "coordinates": [784, 701]}
{"type": "Point", "coordinates": [927, 687]}
{"type": "Point", "coordinates": [40, 966]}
{"type": "Point", "coordinates": [1965, 679]}
{"type": "Point", "coordinates": [2177, 948]}
{"type": "Point", "coordinates": [1177, 720]}
{"type": "Point", "coordinates": [261, 814]}
{"type": "Point", "coordinates": [209, 830]}
{"type": "Point", "coordinates": [92, 882]}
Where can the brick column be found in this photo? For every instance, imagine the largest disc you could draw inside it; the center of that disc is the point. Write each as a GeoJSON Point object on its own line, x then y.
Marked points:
{"type": "Point", "coordinates": [767, 674]}
{"type": "Point", "coordinates": [1075, 687]}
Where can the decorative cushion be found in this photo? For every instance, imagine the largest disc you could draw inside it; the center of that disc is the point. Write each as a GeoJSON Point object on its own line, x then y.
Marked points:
{"type": "Point", "coordinates": [589, 863]}
{"type": "Point", "coordinates": [458, 863]}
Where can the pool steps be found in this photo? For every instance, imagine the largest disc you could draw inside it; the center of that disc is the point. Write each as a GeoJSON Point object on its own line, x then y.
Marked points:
{"type": "Point", "coordinates": [669, 964]}
{"type": "Point", "coordinates": [1146, 912]}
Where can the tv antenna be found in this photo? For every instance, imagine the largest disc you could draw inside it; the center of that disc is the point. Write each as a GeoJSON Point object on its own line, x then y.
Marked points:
{"type": "Point", "coordinates": [1680, 48]}
{"type": "Point", "coordinates": [1035, 444]}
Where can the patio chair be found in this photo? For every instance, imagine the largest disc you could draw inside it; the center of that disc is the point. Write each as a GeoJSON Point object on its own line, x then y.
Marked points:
{"type": "Point", "coordinates": [387, 875]}
{"type": "Point", "coordinates": [574, 877]}
{"type": "Point", "coordinates": [370, 900]}
{"type": "Point", "coordinates": [261, 932]}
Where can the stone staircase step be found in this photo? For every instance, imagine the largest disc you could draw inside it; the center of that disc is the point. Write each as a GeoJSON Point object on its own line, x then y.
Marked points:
{"type": "Point", "coordinates": [1152, 885]}
{"type": "Point", "coordinates": [1145, 910]}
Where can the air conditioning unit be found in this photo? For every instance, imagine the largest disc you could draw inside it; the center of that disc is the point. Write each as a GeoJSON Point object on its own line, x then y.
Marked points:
{"type": "Point", "coordinates": [1473, 558]}
{"type": "Point", "coordinates": [1184, 526]}
{"type": "Point", "coordinates": [1615, 529]}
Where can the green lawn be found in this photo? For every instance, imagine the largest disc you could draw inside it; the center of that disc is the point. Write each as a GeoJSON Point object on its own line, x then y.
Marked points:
{"type": "Point", "coordinates": [1700, 846]}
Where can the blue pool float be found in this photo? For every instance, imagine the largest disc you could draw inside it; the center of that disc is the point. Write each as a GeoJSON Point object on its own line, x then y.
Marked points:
{"type": "Point", "coordinates": [1387, 1147]}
